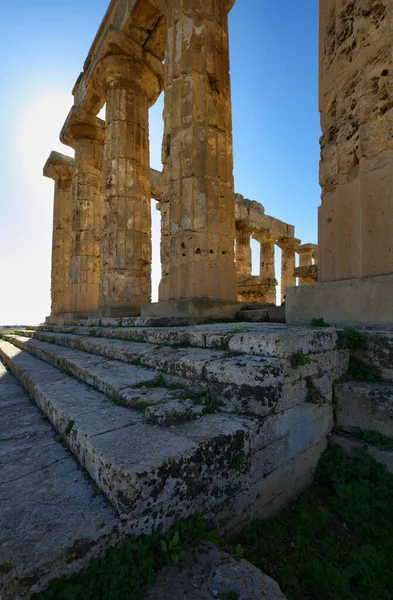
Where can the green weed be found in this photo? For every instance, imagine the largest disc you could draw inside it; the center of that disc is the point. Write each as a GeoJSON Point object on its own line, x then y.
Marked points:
{"type": "Point", "coordinates": [299, 359]}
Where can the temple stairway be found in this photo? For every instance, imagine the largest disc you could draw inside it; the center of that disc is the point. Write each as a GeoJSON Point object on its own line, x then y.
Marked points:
{"type": "Point", "coordinates": [225, 419]}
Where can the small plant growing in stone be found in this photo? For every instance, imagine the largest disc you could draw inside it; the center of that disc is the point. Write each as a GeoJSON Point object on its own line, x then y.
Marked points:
{"type": "Point", "coordinates": [318, 323]}
{"type": "Point", "coordinates": [117, 399]}
{"type": "Point", "coordinates": [211, 405]}
{"type": "Point", "coordinates": [158, 381]}
{"type": "Point", "coordinates": [351, 339]}
{"type": "Point", "coordinates": [144, 405]}
{"type": "Point", "coordinates": [383, 442]}
{"type": "Point", "coordinates": [314, 395]}
{"type": "Point", "coordinates": [69, 427]}
{"type": "Point", "coordinates": [362, 371]}
{"type": "Point", "coordinates": [240, 464]}
{"type": "Point", "coordinates": [298, 359]}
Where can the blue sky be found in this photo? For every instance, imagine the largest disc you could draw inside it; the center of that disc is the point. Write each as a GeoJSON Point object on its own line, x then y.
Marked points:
{"type": "Point", "coordinates": [274, 67]}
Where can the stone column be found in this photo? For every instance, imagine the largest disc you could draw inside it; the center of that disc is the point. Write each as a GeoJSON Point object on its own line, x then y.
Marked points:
{"type": "Point", "coordinates": [356, 174]}
{"type": "Point", "coordinates": [130, 87]}
{"type": "Point", "coordinates": [243, 252]}
{"type": "Point", "coordinates": [288, 263]}
{"type": "Point", "coordinates": [305, 252]}
{"type": "Point", "coordinates": [60, 168]}
{"type": "Point", "coordinates": [267, 262]}
{"type": "Point", "coordinates": [198, 222]}
{"type": "Point", "coordinates": [85, 133]}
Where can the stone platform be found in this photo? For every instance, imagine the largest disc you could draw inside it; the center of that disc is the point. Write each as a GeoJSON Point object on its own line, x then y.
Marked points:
{"type": "Point", "coordinates": [168, 421]}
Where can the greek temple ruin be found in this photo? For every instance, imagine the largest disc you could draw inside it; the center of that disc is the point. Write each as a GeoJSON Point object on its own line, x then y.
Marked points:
{"type": "Point", "coordinates": [102, 246]}
{"type": "Point", "coordinates": [170, 408]}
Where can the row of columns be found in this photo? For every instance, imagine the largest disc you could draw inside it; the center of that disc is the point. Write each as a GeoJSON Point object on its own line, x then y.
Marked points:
{"type": "Point", "coordinates": [267, 275]}
{"type": "Point", "coordinates": [106, 247]}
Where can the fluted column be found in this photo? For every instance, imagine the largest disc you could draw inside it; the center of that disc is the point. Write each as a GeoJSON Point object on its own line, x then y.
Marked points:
{"type": "Point", "coordinates": [267, 262]}
{"type": "Point", "coordinates": [243, 252]}
{"type": "Point", "coordinates": [130, 87]}
{"type": "Point", "coordinates": [60, 168]}
{"type": "Point", "coordinates": [198, 223]}
{"type": "Point", "coordinates": [85, 133]}
{"type": "Point", "coordinates": [288, 263]}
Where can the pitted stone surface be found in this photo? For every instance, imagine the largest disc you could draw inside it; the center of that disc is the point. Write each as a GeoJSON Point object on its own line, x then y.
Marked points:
{"type": "Point", "coordinates": [173, 411]}
{"type": "Point", "coordinates": [207, 573]}
{"type": "Point", "coordinates": [365, 406]}
{"type": "Point", "coordinates": [49, 511]}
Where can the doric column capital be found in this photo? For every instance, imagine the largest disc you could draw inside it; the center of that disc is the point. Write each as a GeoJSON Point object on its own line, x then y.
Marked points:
{"type": "Point", "coordinates": [288, 243]}
{"type": "Point", "coordinates": [81, 124]}
{"type": "Point", "coordinates": [124, 61]}
{"type": "Point", "coordinates": [58, 166]}
{"type": "Point", "coordinates": [265, 236]}
{"type": "Point", "coordinates": [307, 249]}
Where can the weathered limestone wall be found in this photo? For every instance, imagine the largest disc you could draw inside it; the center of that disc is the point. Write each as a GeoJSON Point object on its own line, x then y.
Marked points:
{"type": "Point", "coordinates": [60, 168]}
{"type": "Point", "coordinates": [356, 91]}
{"type": "Point", "coordinates": [85, 133]}
{"type": "Point", "coordinates": [198, 222]}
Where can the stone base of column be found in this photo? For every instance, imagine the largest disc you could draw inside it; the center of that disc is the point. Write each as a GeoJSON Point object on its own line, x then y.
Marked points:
{"type": "Point", "coordinates": [117, 312]}
{"type": "Point", "coordinates": [66, 318]}
{"type": "Point", "coordinates": [198, 308]}
{"type": "Point", "coordinates": [350, 302]}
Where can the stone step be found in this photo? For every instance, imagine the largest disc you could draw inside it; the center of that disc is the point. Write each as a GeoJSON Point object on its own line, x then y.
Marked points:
{"type": "Point", "coordinates": [248, 384]}
{"type": "Point", "coordinates": [50, 511]}
{"type": "Point", "coordinates": [367, 406]}
{"type": "Point", "coordinates": [151, 475]}
{"type": "Point", "coordinates": [379, 351]}
{"type": "Point", "coordinates": [258, 339]}
{"type": "Point", "coordinates": [273, 314]}
{"type": "Point", "coordinates": [351, 447]}
{"type": "Point", "coordinates": [133, 385]}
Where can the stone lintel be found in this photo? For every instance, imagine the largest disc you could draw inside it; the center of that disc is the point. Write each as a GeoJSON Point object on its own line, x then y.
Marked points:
{"type": "Point", "coordinates": [365, 301]}
{"type": "Point", "coordinates": [204, 308]}
{"type": "Point", "coordinates": [82, 124]}
{"type": "Point", "coordinates": [58, 165]}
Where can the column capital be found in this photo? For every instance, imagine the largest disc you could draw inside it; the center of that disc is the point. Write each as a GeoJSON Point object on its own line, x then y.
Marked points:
{"type": "Point", "coordinates": [288, 243]}
{"type": "Point", "coordinates": [124, 61]}
{"type": "Point", "coordinates": [81, 124]}
{"type": "Point", "coordinates": [307, 249]}
{"type": "Point", "coordinates": [58, 166]}
{"type": "Point", "coordinates": [265, 236]}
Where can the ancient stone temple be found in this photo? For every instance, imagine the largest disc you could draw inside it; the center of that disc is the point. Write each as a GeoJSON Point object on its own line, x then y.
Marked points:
{"type": "Point", "coordinates": [355, 266]}
{"type": "Point", "coordinates": [102, 222]}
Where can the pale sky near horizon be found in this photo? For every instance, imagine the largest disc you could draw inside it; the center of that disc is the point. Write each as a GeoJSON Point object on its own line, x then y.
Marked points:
{"type": "Point", "coordinates": [274, 67]}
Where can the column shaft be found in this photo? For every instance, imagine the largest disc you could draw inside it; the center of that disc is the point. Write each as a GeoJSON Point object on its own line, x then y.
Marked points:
{"type": "Point", "coordinates": [267, 263]}
{"type": "Point", "coordinates": [60, 168]}
{"type": "Point", "coordinates": [288, 263]}
{"type": "Point", "coordinates": [126, 247]}
{"type": "Point", "coordinates": [243, 253]}
{"type": "Point", "coordinates": [86, 226]}
{"type": "Point", "coordinates": [84, 132]}
{"type": "Point", "coordinates": [198, 224]}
